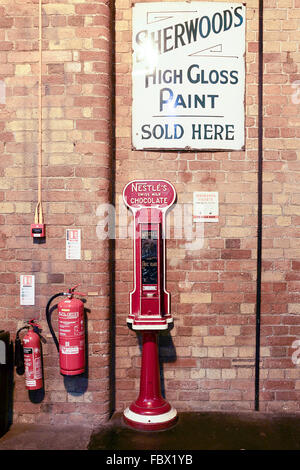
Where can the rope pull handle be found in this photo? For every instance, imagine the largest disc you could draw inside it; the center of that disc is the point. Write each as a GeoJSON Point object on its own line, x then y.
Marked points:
{"type": "Point", "coordinates": [38, 215]}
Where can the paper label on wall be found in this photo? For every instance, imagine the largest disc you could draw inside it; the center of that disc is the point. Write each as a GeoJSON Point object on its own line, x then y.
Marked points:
{"type": "Point", "coordinates": [73, 244]}
{"type": "Point", "coordinates": [27, 291]}
{"type": "Point", "coordinates": [206, 206]}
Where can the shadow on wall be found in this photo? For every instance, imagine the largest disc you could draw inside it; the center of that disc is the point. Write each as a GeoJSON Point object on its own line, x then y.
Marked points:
{"type": "Point", "coordinates": [166, 353]}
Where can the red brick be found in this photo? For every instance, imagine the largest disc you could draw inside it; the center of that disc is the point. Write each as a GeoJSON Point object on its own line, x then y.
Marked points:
{"type": "Point", "coordinates": [235, 254]}
{"type": "Point", "coordinates": [296, 265]}
{"type": "Point", "coordinates": [279, 385]}
{"type": "Point", "coordinates": [233, 243]}
{"type": "Point", "coordinates": [90, 9]}
{"type": "Point", "coordinates": [56, 278]}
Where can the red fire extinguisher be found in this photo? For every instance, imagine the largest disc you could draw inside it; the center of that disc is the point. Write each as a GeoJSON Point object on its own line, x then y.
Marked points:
{"type": "Point", "coordinates": [71, 337]}
{"type": "Point", "coordinates": [28, 356]}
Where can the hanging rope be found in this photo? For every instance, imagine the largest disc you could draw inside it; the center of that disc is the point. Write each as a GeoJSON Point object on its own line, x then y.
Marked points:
{"type": "Point", "coordinates": [38, 217]}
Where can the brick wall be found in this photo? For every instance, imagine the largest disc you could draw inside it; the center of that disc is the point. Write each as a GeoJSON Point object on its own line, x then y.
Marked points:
{"type": "Point", "coordinates": [76, 180]}
{"type": "Point", "coordinates": [208, 358]}
{"type": "Point", "coordinates": [280, 299]}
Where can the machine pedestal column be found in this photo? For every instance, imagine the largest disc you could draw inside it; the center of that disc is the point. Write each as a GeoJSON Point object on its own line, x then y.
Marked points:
{"type": "Point", "coordinates": [150, 411]}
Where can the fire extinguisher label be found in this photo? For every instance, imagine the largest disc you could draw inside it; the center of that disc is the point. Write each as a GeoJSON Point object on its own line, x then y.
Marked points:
{"type": "Point", "coordinates": [30, 383]}
{"type": "Point", "coordinates": [70, 350]}
{"type": "Point", "coordinates": [38, 367]}
{"type": "Point", "coordinates": [70, 323]}
{"type": "Point", "coordinates": [69, 315]}
{"type": "Point", "coordinates": [33, 365]}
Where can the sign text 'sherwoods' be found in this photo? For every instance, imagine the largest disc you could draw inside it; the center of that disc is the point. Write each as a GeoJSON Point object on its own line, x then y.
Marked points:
{"type": "Point", "coordinates": [193, 30]}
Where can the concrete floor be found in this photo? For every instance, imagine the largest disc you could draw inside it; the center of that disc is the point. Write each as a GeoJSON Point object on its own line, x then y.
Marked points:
{"type": "Point", "coordinates": [194, 431]}
{"type": "Point", "coordinates": [206, 431]}
{"type": "Point", "coordinates": [43, 437]}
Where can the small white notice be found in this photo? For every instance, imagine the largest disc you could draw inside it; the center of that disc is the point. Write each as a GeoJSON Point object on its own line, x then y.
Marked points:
{"type": "Point", "coordinates": [27, 293]}
{"type": "Point", "coordinates": [206, 206]}
{"type": "Point", "coordinates": [73, 244]}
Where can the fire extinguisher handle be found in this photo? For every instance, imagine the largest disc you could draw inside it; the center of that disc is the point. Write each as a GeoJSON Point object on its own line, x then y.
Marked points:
{"type": "Point", "coordinates": [72, 291]}
{"type": "Point", "coordinates": [48, 317]}
{"type": "Point", "coordinates": [73, 288]}
{"type": "Point", "coordinates": [34, 325]}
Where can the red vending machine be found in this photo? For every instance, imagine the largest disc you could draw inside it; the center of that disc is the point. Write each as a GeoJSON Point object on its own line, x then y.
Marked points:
{"type": "Point", "coordinates": [149, 201]}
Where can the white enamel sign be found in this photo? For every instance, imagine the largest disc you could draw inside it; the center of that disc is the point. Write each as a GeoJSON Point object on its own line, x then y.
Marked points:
{"type": "Point", "coordinates": [27, 289]}
{"type": "Point", "coordinates": [188, 75]}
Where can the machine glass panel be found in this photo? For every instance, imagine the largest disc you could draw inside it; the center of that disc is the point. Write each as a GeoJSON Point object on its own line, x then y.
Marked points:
{"type": "Point", "coordinates": [149, 239]}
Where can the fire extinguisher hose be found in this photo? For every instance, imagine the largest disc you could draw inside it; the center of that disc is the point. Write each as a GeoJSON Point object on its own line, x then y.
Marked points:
{"type": "Point", "coordinates": [19, 356]}
{"type": "Point", "coordinates": [48, 317]}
